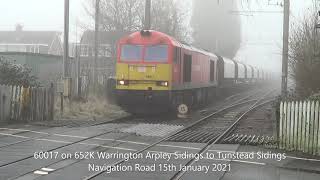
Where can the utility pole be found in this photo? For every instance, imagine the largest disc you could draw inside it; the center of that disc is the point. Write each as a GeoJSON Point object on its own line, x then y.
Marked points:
{"type": "Point", "coordinates": [147, 16]}
{"type": "Point", "coordinates": [96, 44]}
{"type": "Point", "coordinates": [65, 88]}
{"type": "Point", "coordinates": [285, 50]}
{"type": "Point", "coordinates": [66, 41]}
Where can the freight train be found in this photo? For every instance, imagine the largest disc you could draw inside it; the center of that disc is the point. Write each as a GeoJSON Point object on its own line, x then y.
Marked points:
{"type": "Point", "coordinates": [155, 72]}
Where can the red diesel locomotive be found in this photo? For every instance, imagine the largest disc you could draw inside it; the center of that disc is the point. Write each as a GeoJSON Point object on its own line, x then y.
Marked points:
{"type": "Point", "coordinates": [156, 72]}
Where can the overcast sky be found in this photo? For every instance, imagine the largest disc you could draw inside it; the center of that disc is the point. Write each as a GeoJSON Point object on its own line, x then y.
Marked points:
{"type": "Point", "coordinates": [39, 14]}
{"type": "Point", "coordinates": [261, 32]}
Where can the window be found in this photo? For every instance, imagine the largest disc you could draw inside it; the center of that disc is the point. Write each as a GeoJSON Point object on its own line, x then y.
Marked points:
{"type": "Point", "coordinates": [158, 53]}
{"type": "Point", "coordinates": [3, 48]}
{"type": "Point", "coordinates": [131, 52]}
{"type": "Point", "coordinates": [105, 50]}
{"type": "Point", "coordinates": [84, 51]}
{"type": "Point", "coordinates": [17, 48]}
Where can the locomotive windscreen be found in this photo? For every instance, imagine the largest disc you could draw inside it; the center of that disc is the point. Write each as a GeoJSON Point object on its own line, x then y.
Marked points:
{"type": "Point", "coordinates": [131, 52]}
{"type": "Point", "coordinates": [158, 53]}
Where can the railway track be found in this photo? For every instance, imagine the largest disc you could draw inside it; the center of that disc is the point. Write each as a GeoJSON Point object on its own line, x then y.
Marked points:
{"type": "Point", "coordinates": [246, 134]}
{"type": "Point", "coordinates": [211, 139]}
{"type": "Point", "coordinates": [220, 136]}
{"type": "Point", "coordinates": [206, 130]}
{"type": "Point", "coordinates": [239, 102]}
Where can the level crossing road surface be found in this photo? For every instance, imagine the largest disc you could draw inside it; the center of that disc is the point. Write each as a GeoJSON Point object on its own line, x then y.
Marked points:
{"type": "Point", "coordinates": [21, 158]}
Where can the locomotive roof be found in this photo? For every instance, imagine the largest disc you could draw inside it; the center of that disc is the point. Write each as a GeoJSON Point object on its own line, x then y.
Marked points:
{"type": "Point", "coordinates": [175, 42]}
{"type": "Point", "coordinates": [170, 40]}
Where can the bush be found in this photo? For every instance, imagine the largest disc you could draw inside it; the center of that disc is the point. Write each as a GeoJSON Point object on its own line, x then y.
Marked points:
{"type": "Point", "coordinates": [315, 97]}
{"type": "Point", "coordinates": [16, 74]}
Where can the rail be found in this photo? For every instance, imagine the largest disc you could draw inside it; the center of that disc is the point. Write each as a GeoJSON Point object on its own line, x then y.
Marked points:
{"type": "Point", "coordinates": [235, 104]}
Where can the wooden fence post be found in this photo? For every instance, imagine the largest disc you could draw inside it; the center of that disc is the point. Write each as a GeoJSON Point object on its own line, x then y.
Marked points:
{"type": "Point", "coordinates": [296, 125]}
{"type": "Point", "coordinates": [311, 128]}
{"type": "Point", "coordinates": [316, 135]}
{"type": "Point", "coordinates": [51, 102]}
{"type": "Point", "coordinates": [280, 126]}
{"type": "Point", "coordinates": [300, 129]}
{"type": "Point", "coordinates": [1, 104]}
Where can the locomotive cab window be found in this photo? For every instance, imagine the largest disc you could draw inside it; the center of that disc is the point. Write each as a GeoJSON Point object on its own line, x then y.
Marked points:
{"type": "Point", "coordinates": [158, 53]}
{"type": "Point", "coordinates": [131, 52]}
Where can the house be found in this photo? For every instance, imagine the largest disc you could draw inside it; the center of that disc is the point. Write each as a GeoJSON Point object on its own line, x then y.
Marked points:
{"type": "Point", "coordinates": [106, 42]}
{"type": "Point", "coordinates": [84, 52]}
{"type": "Point", "coordinates": [39, 42]}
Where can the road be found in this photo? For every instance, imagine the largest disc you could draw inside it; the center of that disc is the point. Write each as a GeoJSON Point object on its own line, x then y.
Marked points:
{"type": "Point", "coordinates": [18, 145]}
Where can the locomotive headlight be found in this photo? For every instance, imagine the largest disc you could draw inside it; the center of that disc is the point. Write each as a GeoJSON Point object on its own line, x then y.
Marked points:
{"type": "Point", "coordinates": [123, 82]}
{"type": "Point", "coordinates": [163, 83]}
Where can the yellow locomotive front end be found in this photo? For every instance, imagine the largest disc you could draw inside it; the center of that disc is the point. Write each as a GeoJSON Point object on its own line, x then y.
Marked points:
{"type": "Point", "coordinates": [143, 74]}
{"type": "Point", "coordinates": [143, 77]}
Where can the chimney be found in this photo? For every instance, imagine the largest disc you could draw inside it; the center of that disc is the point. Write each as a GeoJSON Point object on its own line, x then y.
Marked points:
{"type": "Point", "coordinates": [19, 27]}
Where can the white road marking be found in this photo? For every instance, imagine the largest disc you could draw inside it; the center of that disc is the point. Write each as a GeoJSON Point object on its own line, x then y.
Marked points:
{"type": "Point", "coordinates": [56, 141]}
{"type": "Point", "coordinates": [131, 142]}
{"type": "Point", "coordinates": [250, 162]}
{"type": "Point", "coordinates": [111, 147]}
{"type": "Point", "coordinates": [87, 144]}
{"type": "Point", "coordinates": [72, 136]}
{"type": "Point", "coordinates": [24, 130]}
{"type": "Point", "coordinates": [12, 135]}
{"type": "Point", "coordinates": [41, 172]}
{"type": "Point", "coordinates": [47, 169]}
{"type": "Point", "coordinates": [306, 159]}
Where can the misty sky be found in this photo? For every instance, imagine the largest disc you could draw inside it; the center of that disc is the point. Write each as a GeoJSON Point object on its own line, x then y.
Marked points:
{"type": "Point", "coordinates": [40, 14]}
{"type": "Point", "coordinates": [261, 32]}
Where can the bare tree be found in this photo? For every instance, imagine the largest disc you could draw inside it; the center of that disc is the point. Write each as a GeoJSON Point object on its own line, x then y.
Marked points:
{"type": "Point", "coordinates": [121, 15]}
{"type": "Point", "coordinates": [304, 55]}
{"type": "Point", "coordinates": [128, 16]}
{"type": "Point", "coordinates": [171, 17]}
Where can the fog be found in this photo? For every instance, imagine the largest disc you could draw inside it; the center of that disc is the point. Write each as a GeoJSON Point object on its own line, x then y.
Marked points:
{"type": "Point", "coordinates": [215, 28]}
{"type": "Point", "coordinates": [45, 15]}
{"type": "Point", "coordinates": [260, 33]}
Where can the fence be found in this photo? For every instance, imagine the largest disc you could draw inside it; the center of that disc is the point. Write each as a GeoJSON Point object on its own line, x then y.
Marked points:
{"type": "Point", "coordinates": [299, 127]}
{"type": "Point", "coordinates": [26, 104]}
